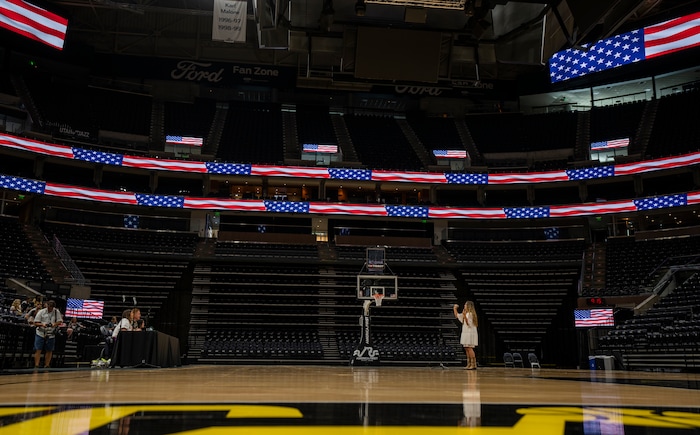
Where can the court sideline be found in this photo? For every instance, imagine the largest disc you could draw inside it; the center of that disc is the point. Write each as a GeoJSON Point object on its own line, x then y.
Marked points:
{"type": "Point", "coordinates": [348, 400]}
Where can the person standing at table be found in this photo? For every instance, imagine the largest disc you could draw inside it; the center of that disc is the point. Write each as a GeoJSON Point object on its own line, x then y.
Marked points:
{"type": "Point", "coordinates": [46, 321]}
{"type": "Point", "coordinates": [136, 322]}
{"type": "Point", "coordinates": [124, 323]}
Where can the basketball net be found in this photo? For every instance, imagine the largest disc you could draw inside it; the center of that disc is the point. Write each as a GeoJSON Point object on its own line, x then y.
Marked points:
{"type": "Point", "coordinates": [378, 299]}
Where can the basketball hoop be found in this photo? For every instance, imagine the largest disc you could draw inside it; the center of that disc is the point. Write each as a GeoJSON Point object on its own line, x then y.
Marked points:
{"type": "Point", "coordinates": [378, 297]}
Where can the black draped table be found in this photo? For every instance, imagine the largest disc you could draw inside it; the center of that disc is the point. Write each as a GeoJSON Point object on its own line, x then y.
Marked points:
{"type": "Point", "coordinates": [147, 349]}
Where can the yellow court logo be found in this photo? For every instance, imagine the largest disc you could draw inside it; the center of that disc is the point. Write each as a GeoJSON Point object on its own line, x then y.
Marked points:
{"type": "Point", "coordinates": [533, 420]}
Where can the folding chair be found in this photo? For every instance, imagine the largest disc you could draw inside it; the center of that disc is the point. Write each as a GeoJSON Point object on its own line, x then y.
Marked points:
{"type": "Point", "coordinates": [534, 362]}
{"type": "Point", "coordinates": [518, 360]}
{"type": "Point", "coordinates": [508, 359]}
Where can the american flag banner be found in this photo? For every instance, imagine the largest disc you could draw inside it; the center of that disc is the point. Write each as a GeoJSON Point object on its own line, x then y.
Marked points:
{"type": "Point", "coordinates": [224, 204]}
{"type": "Point", "coordinates": [407, 211]}
{"type": "Point", "coordinates": [97, 157]}
{"type": "Point", "coordinates": [664, 201]}
{"type": "Point", "coordinates": [163, 164]}
{"type": "Point", "coordinates": [34, 146]}
{"type": "Point", "coordinates": [693, 198]}
{"type": "Point", "coordinates": [349, 174]}
{"type": "Point", "coordinates": [89, 194]}
{"type": "Point", "coordinates": [184, 140]}
{"type": "Point", "coordinates": [316, 148]}
{"type": "Point", "coordinates": [652, 41]}
{"type": "Point", "coordinates": [595, 317]}
{"type": "Point", "coordinates": [22, 184]}
{"type": "Point", "coordinates": [528, 177]}
{"type": "Point", "coordinates": [609, 144]}
{"type": "Point", "coordinates": [466, 213]}
{"type": "Point", "coordinates": [591, 209]}
{"type": "Point", "coordinates": [347, 209]}
{"type": "Point", "coordinates": [672, 35]}
{"type": "Point", "coordinates": [131, 221]}
{"type": "Point", "coordinates": [551, 233]}
{"type": "Point", "coordinates": [605, 54]}
{"type": "Point", "coordinates": [409, 177]}
{"type": "Point", "coordinates": [228, 168]}
{"type": "Point", "coordinates": [450, 154]}
{"type": "Point", "coordinates": [526, 212]}
{"type": "Point", "coordinates": [555, 211]}
{"type": "Point", "coordinates": [289, 171]}
{"type": "Point", "coordinates": [33, 22]}
{"type": "Point", "coordinates": [590, 173]}
{"type": "Point", "coordinates": [466, 178]}
{"type": "Point", "coordinates": [168, 201]}
{"type": "Point", "coordinates": [84, 308]}
{"type": "Point", "coordinates": [657, 164]}
{"type": "Point", "coordinates": [286, 206]}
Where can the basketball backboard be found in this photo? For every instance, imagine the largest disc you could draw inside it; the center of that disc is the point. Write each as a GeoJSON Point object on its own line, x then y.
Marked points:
{"type": "Point", "coordinates": [369, 285]}
{"type": "Point", "coordinates": [375, 260]}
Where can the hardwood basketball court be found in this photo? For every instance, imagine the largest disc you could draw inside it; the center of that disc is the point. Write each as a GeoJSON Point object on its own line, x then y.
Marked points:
{"type": "Point", "coordinates": [348, 400]}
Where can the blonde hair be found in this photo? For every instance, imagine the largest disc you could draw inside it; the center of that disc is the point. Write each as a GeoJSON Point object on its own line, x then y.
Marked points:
{"type": "Point", "coordinates": [469, 308]}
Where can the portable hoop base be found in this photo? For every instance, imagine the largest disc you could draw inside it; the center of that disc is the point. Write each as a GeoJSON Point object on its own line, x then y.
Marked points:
{"type": "Point", "coordinates": [365, 354]}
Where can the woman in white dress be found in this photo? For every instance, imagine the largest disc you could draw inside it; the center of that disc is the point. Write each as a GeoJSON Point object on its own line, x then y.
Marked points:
{"type": "Point", "coordinates": [470, 336]}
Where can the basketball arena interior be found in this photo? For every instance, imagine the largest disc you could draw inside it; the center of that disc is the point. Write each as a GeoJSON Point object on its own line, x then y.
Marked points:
{"type": "Point", "coordinates": [296, 194]}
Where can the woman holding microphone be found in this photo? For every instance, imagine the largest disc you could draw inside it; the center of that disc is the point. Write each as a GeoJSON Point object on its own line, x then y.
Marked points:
{"type": "Point", "coordinates": [470, 336]}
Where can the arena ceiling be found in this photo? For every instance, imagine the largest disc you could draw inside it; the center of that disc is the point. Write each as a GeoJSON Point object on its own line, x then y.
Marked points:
{"type": "Point", "coordinates": [479, 39]}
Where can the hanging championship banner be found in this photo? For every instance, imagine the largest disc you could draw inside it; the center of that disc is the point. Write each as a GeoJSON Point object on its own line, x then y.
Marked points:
{"type": "Point", "coordinates": [229, 21]}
